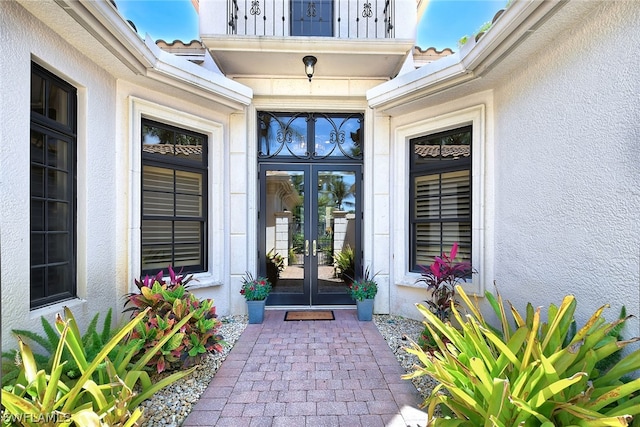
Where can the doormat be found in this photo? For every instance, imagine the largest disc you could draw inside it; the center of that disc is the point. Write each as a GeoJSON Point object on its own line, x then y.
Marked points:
{"type": "Point", "coordinates": [309, 315]}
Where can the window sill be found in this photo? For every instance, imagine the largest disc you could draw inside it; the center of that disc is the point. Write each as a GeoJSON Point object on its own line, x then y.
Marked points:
{"type": "Point", "coordinates": [470, 287]}
{"type": "Point", "coordinates": [203, 280]}
{"type": "Point", "coordinates": [48, 312]}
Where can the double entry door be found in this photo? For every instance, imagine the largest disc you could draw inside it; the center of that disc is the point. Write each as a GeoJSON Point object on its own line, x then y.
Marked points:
{"type": "Point", "coordinates": [310, 231]}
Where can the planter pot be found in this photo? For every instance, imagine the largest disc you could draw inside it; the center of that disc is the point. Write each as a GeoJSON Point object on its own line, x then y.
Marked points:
{"type": "Point", "coordinates": [256, 311]}
{"type": "Point", "coordinates": [365, 310]}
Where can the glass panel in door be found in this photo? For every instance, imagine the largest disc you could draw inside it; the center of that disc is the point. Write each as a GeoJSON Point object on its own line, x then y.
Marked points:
{"type": "Point", "coordinates": [336, 233]}
{"type": "Point", "coordinates": [309, 239]}
{"type": "Point", "coordinates": [283, 234]}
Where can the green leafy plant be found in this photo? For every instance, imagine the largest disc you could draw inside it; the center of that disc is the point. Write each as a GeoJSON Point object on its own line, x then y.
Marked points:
{"type": "Point", "coordinates": [276, 259]}
{"type": "Point", "coordinates": [255, 289]}
{"type": "Point", "coordinates": [275, 265]}
{"type": "Point", "coordinates": [344, 263]}
{"type": "Point", "coordinates": [170, 302]}
{"type": "Point", "coordinates": [103, 395]}
{"type": "Point", "coordinates": [365, 287]}
{"type": "Point", "coordinates": [527, 372]}
{"type": "Point", "coordinates": [92, 342]}
{"type": "Point", "coordinates": [440, 279]}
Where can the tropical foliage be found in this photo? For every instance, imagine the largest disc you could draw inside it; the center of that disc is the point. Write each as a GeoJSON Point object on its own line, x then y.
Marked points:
{"type": "Point", "coordinates": [169, 302]}
{"type": "Point", "coordinates": [107, 392]}
{"type": "Point", "coordinates": [441, 278]}
{"type": "Point", "coordinates": [527, 372]}
{"type": "Point", "coordinates": [92, 342]}
{"type": "Point", "coordinates": [344, 263]}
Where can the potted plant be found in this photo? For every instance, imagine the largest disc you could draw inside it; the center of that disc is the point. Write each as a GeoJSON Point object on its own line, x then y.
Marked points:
{"type": "Point", "coordinates": [364, 291]}
{"type": "Point", "coordinates": [255, 292]}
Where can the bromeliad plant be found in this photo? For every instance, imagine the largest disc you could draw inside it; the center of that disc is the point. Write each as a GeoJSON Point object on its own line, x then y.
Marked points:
{"type": "Point", "coordinates": [92, 342]}
{"type": "Point", "coordinates": [107, 392]}
{"type": "Point", "coordinates": [169, 303]}
{"type": "Point", "coordinates": [527, 372]}
{"type": "Point", "coordinates": [255, 289]}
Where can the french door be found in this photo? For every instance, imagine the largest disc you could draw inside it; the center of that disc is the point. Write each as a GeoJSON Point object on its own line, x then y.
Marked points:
{"type": "Point", "coordinates": [310, 231]}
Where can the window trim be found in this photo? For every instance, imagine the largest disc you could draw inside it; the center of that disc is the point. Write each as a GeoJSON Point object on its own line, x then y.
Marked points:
{"type": "Point", "coordinates": [475, 116]}
{"type": "Point", "coordinates": [50, 127]}
{"type": "Point", "coordinates": [218, 244]}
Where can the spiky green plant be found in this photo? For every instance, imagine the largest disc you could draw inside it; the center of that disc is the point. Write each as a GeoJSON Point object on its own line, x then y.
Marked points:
{"type": "Point", "coordinates": [92, 342]}
{"type": "Point", "coordinates": [526, 372]}
{"type": "Point", "coordinates": [103, 395]}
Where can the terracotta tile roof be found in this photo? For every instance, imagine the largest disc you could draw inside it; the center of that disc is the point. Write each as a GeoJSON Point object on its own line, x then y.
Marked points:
{"type": "Point", "coordinates": [423, 57]}
{"type": "Point", "coordinates": [180, 150]}
{"type": "Point", "coordinates": [193, 51]}
{"type": "Point", "coordinates": [447, 150]}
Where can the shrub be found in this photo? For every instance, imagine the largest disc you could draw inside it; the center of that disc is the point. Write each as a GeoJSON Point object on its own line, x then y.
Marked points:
{"type": "Point", "coordinates": [103, 394]}
{"type": "Point", "coordinates": [528, 373]}
{"type": "Point", "coordinates": [169, 303]}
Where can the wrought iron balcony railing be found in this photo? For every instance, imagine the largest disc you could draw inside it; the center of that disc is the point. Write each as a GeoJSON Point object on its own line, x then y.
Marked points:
{"type": "Point", "coordinates": [322, 18]}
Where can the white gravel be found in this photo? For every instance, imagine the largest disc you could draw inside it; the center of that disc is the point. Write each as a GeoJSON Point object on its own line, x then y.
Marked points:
{"type": "Point", "coordinates": [171, 405]}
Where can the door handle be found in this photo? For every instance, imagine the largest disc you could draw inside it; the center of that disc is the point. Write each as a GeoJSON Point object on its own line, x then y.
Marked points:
{"type": "Point", "coordinates": [315, 251]}
{"type": "Point", "coordinates": [306, 248]}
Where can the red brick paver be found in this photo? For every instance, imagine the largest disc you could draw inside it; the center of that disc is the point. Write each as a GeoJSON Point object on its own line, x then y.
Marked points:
{"type": "Point", "coordinates": [309, 373]}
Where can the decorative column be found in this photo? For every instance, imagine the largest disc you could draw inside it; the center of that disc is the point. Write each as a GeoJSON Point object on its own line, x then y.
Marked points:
{"type": "Point", "coordinates": [283, 219]}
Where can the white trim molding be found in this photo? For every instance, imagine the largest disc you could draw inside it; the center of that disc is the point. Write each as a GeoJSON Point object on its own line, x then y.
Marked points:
{"type": "Point", "coordinates": [216, 239]}
{"type": "Point", "coordinates": [476, 116]}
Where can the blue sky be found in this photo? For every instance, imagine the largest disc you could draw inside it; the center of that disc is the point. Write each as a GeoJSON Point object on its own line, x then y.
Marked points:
{"type": "Point", "coordinates": [442, 25]}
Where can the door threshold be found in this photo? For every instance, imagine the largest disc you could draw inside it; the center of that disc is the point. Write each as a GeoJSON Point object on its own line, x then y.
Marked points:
{"type": "Point", "coordinates": [310, 307]}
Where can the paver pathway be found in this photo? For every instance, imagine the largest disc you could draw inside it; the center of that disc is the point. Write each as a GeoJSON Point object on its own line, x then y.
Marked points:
{"type": "Point", "coordinates": [309, 373]}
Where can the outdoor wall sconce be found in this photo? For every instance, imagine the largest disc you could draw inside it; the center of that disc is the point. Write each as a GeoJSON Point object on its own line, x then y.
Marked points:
{"type": "Point", "coordinates": [309, 62]}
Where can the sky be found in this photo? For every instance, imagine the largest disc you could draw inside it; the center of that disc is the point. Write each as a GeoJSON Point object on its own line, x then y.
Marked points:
{"type": "Point", "coordinates": [443, 24]}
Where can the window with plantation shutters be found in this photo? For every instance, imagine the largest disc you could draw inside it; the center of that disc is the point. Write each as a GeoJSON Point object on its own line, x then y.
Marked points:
{"type": "Point", "coordinates": [440, 202]}
{"type": "Point", "coordinates": [174, 178]}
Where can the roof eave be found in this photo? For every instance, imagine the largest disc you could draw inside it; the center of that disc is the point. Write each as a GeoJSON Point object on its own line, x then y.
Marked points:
{"type": "Point", "coordinates": [182, 74]}
{"type": "Point", "coordinates": [473, 60]}
{"type": "Point", "coordinates": [102, 20]}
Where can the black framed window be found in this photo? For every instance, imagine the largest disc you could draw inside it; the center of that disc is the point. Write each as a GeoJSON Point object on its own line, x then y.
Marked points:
{"type": "Point", "coordinates": [52, 188]}
{"type": "Point", "coordinates": [174, 198]}
{"type": "Point", "coordinates": [440, 195]}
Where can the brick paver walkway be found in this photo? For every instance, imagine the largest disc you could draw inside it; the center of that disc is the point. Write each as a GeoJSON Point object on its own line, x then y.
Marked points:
{"type": "Point", "coordinates": [309, 373]}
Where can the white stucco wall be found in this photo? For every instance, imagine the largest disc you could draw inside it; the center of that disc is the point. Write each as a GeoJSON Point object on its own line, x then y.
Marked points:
{"type": "Point", "coordinates": [560, 200]}
{"type": "Point", "coordinates": [24, 38]}
{"type": "Point", "coordinates": [567, 176]}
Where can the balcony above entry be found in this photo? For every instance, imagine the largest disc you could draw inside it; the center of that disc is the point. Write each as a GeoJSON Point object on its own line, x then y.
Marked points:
{"type": "Point", "coordinates": [351, 39]}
